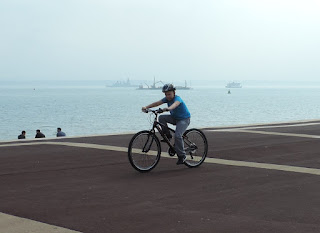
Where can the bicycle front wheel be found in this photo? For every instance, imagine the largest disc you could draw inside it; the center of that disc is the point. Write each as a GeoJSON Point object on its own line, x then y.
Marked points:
{"type": "Point", "coordinates": [196, 147]}
{"type": "Point", "coordinates": [144, 151]}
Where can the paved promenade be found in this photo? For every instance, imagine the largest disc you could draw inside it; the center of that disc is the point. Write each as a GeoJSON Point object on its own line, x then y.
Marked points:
{"type": "Point", "coordinates": [261, 178]}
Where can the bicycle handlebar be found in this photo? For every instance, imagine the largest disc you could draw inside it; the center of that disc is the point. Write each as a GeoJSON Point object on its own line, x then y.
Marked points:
{"type": "Point", "coordinates": [155, 111]}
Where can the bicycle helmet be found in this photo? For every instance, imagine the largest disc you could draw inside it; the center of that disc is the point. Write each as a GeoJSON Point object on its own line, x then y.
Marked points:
{"type": "Point", "coordinates": [168, 87]}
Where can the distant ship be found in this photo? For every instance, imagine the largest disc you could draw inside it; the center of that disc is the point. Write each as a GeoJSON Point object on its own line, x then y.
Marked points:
{"type": "Point", "coordinates": [185, 87]}
{"type": "Point", "coordinates": [233, 85]}
{"type": "Point", "coordinates": [151, 87]}
{"type": "Point", "coordinates": [154, 87]}
{"type": "Point", "coordinates": [123, 84]}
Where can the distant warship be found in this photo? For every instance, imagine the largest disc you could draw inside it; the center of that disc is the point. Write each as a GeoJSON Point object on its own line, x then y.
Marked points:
{"type": "Point", "coordinates": [233, 85]}
{"type": "Point", "coordinates": [123, 84]}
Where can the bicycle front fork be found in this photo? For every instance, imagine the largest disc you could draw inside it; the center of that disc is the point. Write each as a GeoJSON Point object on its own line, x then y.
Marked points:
{"type": "Point", "coordinates": [148, 143]}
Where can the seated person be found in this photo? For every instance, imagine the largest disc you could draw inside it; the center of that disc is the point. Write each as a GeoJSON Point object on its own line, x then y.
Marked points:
{"type": "Point", "coordinates": [39, 134]}
{"type": "Point", "coordinates": [60, 133]}
{"type": "Point", "coordinates": [22, 135]}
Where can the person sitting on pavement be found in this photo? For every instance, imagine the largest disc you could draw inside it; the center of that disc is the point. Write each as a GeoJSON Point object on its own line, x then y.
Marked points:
{"type": "Point", "coordinates": [22, 135]}
{"type": "Point", "coordinates": [39, 134]}
{"type": "Point", "coordinates": [60, 133]}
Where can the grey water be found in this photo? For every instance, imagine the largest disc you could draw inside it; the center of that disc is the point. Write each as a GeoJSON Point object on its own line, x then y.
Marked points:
{"type": "Point", "coordinates": [95, 110]}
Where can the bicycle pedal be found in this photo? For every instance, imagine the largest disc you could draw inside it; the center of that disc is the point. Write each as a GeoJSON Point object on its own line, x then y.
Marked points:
{"type": "Point", "coordinates": [171, 152]}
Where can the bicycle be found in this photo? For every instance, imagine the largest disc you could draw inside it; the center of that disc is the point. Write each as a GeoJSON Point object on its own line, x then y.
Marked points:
{"type": "Point", "coordinates": [145, 149]}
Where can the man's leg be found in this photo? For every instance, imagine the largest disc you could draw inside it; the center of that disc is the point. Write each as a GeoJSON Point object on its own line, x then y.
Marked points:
{"type": "Point", "coordinates": [182, 125]}
{"type": "Point", "coordinates": [165, 119]}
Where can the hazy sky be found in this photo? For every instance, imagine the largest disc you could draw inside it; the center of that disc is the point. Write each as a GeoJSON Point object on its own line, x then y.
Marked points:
{"type": "Point", "coordinates": [172, 40]}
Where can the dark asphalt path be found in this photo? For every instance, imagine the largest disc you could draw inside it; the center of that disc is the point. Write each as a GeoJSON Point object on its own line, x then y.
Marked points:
{"type": "Point", "coordinates": [96, 190]}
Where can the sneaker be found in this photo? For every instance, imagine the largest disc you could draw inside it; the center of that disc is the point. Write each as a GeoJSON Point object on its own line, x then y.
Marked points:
{"type": "Point", "coordinates": [181, 160]}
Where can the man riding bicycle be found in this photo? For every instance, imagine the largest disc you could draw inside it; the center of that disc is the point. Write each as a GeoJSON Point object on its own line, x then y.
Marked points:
{"type": "Point", "coordinates": [179, 116]}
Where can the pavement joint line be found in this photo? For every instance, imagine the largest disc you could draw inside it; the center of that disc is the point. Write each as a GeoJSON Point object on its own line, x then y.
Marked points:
{"type": "Point", "coordinates": [270, 124]}
{"type": "Point", "coordinates": [269, 166]}
{"type": "Point", "coordinates": [280, 126]}
{"type": "Point", "coordinates": [23, 144]}
{"type": "Point", "coordinates": [14, 224]}
{"type": "Point", "coordinates": [265, 127]}
{"type": "Point", "coordinates": [273, 133]}
{"type": "Point", "coordinates": [287, 168]}
{"type": "Point", "coordinates": [91, 146]}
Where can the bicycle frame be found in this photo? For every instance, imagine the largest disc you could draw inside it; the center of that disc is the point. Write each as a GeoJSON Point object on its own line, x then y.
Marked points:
{"type": "Point", "coordinates": [157, 125]}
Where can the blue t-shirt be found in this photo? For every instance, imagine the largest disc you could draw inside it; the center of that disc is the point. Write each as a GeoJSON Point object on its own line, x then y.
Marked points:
{"type": "Point", "coordinates": [179, 113]}
{"type": "Point", "coordinates": [61, 134]}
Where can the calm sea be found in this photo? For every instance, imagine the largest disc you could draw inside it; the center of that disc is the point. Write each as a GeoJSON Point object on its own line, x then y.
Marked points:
{"type": "Point", "coordinates": [105, 110]}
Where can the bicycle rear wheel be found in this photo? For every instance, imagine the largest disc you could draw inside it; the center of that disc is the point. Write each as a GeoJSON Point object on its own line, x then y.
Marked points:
{"type": "Point", "coordinates": [144, 151]}
{"type": "Point", "coordinates": [196, 147]}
